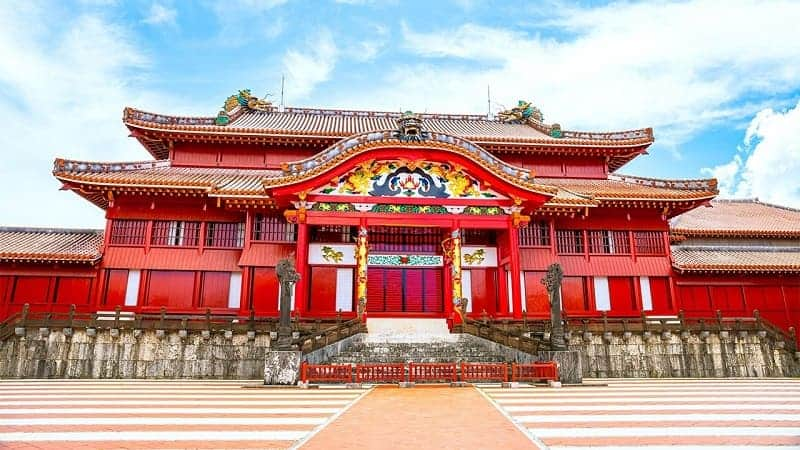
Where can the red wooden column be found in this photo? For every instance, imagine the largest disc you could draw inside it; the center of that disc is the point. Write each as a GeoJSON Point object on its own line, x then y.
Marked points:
{"type": "Point", "coordinates": [301, 262]}
{"type": "Point", "coordinates": [514, 266]}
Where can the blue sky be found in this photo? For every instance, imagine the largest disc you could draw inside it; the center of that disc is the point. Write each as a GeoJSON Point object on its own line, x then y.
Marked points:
{"type": "Point", "coordinates": [719, 81]}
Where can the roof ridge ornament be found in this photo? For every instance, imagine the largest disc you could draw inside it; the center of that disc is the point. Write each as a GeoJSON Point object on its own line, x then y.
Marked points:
{"type": "Point", "coordinates": [522, 113]}
{"type": "Point", "coordinates": [410, 128]}
{"type": "Point", "coordinates": [243, 99]}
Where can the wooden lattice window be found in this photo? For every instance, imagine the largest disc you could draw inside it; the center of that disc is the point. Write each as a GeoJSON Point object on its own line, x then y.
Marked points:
{"type": "Point", "coordinates": [405, 239]}
{"type": "Point", "coordinates": [472, 236]}
{"type": "Point", "coordinates": [175, 233]}
{"type": "Point", "coordinates": [649, 242]}
{"type": "Point", "coordinates": [128, 232]}
{"type": "Point", "coordinates": [225, 234]}
{"type": "Point", "coordinates": [273, 228]}
{"type": "Point", "coordinates": [536, 234]}
{"type": "Point", "coordinates": [339, 234]}
{"type": "Point", "coordinates": [609, 242]}
{"type": "Point", "coordinates": [570, 241]}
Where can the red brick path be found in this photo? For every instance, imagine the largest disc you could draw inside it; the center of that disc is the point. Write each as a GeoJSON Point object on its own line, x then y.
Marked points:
{"type": "Point", "coordinates": [420, 418]}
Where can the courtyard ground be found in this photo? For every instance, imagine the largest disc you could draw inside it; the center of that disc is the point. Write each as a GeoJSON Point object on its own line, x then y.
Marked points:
{"type": "Point", "coordinates": [652, 414]}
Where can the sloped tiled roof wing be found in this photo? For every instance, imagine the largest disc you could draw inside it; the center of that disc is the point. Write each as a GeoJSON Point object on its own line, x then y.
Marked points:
{"type": "Point", "coordinates": [50, 245]}
{"type": "Point", "coordinates": [739, 218]}
{"type": "Point", "coordinates": [699, 259]}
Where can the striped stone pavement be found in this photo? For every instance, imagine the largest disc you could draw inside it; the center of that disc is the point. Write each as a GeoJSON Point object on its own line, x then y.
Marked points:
{"type": "Point", "coordinates": [658, 414]}
{"type": "Point", "coordinates": [67, 414]}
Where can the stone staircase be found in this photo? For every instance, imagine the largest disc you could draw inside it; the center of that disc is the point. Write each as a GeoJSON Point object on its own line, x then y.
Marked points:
{"type": "Point", "coordinates": [461, 349]}
{"type": "Point", "coordinates": [421, 341]}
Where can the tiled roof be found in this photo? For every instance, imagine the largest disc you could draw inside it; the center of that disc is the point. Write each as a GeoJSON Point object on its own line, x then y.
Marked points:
{"type": "Point", "coordinates": [631, 188]}
{"type": "Point", "coordinates": [161, 174]}
{"type": "Point", "coordinates": [250, 182]}
{"type": "Point", "coordinates": [704, 259]}
{"type": "Point", "coordinates": [739, 218]}
{"type": "Point", "coordinates": [341, 123]}
{"type": "Point", "coordinates": [50, 245]}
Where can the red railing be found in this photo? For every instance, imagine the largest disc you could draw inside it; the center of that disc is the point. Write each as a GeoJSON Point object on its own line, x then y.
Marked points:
{"type": "Point", "coordinates": [432, 372]}
{"type": "Point", "coordinates": [342, 373]}
{"type": "Point", "coordinates": [380, 373]}
{"type": "Point", "coordinates": [484, 372]}
{"type": "Point", "coordinates": [427, 372]}
{"type": "Point", "coordinates": [534, 371]}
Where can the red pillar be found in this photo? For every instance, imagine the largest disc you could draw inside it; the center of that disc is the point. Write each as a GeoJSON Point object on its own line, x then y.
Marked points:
{"type": "Point", "coordinates": [301, 263]}
{"type": "Point", "coordinates": [514, 266]}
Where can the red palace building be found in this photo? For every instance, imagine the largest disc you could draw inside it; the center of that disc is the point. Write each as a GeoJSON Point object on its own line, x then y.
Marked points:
{"type": "Point", "coordinates": [403, 215]}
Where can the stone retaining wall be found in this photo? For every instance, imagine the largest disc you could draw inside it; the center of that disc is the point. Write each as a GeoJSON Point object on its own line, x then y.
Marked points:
{"type": "Point", "coordinates": [664, 355]}
{"type": "Point", "coordinates": [109, 353]}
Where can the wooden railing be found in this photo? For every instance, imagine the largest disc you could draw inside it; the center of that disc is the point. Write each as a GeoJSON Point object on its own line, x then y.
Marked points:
{"type": "Point", "coordinates": [313, 333]}
{"type": "Point", "coordinates": [314, 340]}
{"type": "Point", "coordinates": [532, 335]}
{"type": "Point", "coordinates": [429, 372]}
{"type": "Point", "coordinates": [513, 337]}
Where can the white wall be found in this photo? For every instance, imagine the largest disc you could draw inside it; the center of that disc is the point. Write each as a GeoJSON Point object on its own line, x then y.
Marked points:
{"type": "Point", "coordinates": [235, 290]}
{"type": "Point", "coordinates": [344, 289]}
{"type": "Point", "coordinates": [132, 290]}
{"type": "Point", "coordinates": [601, 295]}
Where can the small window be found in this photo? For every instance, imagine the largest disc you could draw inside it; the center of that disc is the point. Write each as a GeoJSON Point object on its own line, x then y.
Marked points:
{"type": "Point", "coordinates": [272, 228]}
{"type": "Point", "coordinates": [224, 234]}
{"type": "Point", "coordinates": [175, 233]}
{"type": "Point", "coordinates": [536, 234]}
{"type": "Point", "coordinates": [609, 242]}
{"type": "Point", "coordinates": [128, 232]}
{"type": "Point", "coordinates": [570, 241]}
{"type": "Point", "coordinates": [649, 242]}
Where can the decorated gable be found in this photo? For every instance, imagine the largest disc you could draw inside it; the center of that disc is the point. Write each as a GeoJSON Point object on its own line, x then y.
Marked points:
{"type": "Point", "coordinates": [412, 179]}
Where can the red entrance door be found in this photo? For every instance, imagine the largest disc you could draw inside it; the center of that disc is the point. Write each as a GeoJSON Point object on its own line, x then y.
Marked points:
{"type": "Point", "coordinates": [399, 290]}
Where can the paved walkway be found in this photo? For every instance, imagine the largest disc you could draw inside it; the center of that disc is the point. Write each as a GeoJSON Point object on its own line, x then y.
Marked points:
{"type": "Point", "coordinates": [424, 417]}
{"type": "Point", "coordinates": [660, 414]}
{"type": "Point", "coordinates": [67, 414]}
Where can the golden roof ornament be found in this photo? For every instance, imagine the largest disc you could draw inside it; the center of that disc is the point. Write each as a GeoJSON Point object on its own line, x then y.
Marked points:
{"type": "Point", "coordinates": [244, 99]}
{"type": "Point", "coordinates": [523, 112]}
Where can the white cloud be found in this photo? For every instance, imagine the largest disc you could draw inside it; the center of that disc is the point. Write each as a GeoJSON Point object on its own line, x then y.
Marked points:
{"type": "Point", "coordinates": [772, 169]}
{"type": "Point", "coordinates": [769, 165]}
{"type": "Point", "coordinates": [307, 68]}
{"type": "Point", "coordinates": [161, 15]}
{"type": "Point", "coordinates": [678, 67]}
{"type": "Point", "coordinates": [62, 91]}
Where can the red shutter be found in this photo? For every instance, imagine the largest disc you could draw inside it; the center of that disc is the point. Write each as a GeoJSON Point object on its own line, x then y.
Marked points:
{"type": "Point", "coordinates": [216, 286]}
{"type": "Point", "coordinates": [659, 293]}
{"type": "Point", "coordinates": [73, 291]}
{"type": "Point", "coordinates": [620, 290]}
{"type": "Point", "coordinates": [695, 300]}
{"type": "Point", "coordinates": [375, 291]}
{"type": "Point", "coordinates": [573, 295]}
{"type": "Point", "coordinates": [170, 288]}
{"type": "Point", "coordinates": [433, 291]}
{"type": "Point", "coordinates": [393, 290]}
{"type": "Point", "coordinates": [31, 290]}
{"type": "Point", "coordinates": [323, 289]}
{"type": "Point", "coordinates": [264, 291]}
{"type": "Point", "coordinates": [116, 284]}
{"type": "Point", "coordinates": [414, 289]}
{"type": "Point", "coordinates": [536, 297]}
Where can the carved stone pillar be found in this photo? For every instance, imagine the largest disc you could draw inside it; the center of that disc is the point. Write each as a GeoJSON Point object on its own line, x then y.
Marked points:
{"type": "Point", "coordinates": [552, 282]}
{"type": "Point", "coordinates": [362, 251]}
{"type": "Point", "coordinates": [287, 277]}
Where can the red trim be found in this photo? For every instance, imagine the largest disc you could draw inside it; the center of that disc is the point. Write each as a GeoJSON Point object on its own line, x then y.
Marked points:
{"type": "Point", "coordinates": [324, 177]}
{"type": "Point", "coordinates": [409, 201]}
